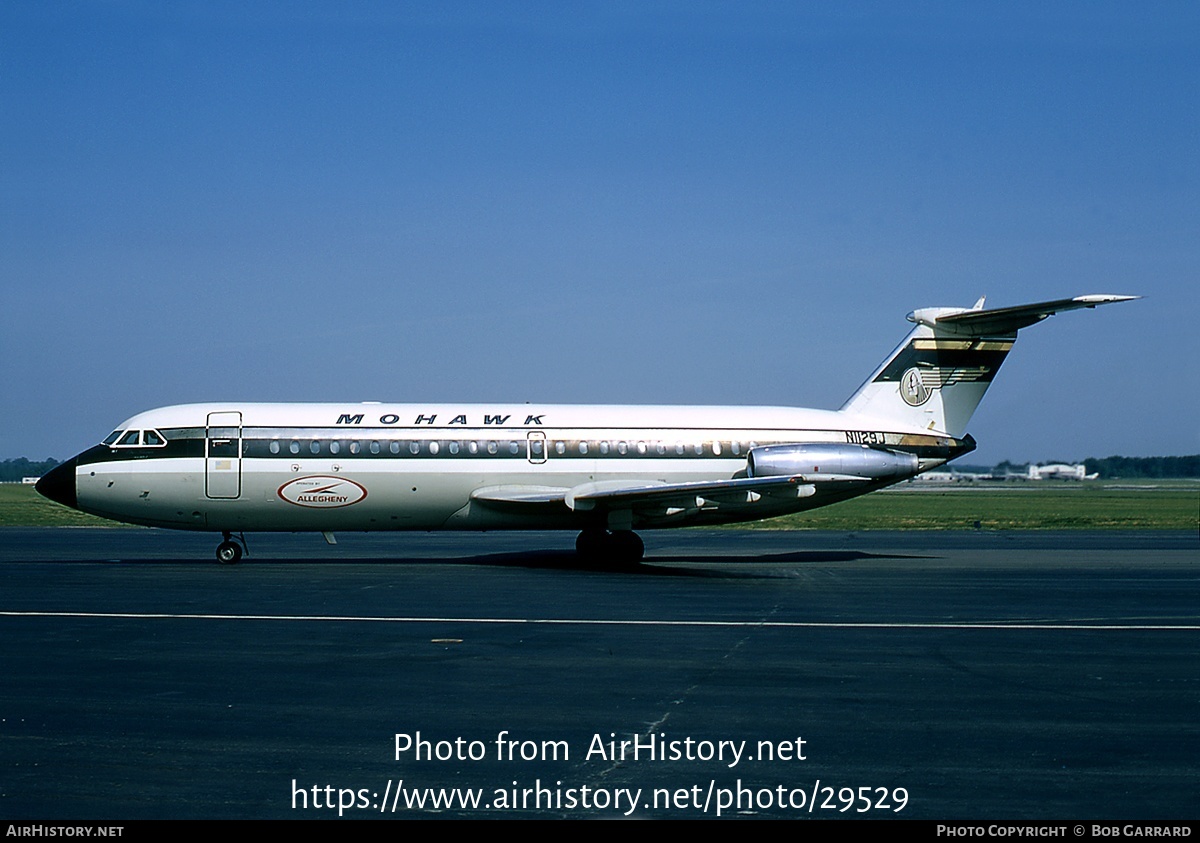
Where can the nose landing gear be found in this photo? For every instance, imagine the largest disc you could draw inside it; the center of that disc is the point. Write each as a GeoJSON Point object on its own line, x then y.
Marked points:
{"type": "Point", "coordinates": [230, 552]}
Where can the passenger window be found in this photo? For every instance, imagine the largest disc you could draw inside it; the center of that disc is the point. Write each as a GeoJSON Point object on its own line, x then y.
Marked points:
{"type": "Point", "coordinates": [294, 447]}
{"type": "Point", "coordinates": [453, 447]}
{"type": "Point", "coordinates": [355, 446]}
{"type": "Point", "coordinates": [583, 447]}
{"type": "Point", "coordinates": [335, 447]}
{"type": "Point", "coordinates": [514, 448]}
{"type": "Point", "coordinates": [274, 446]}
{"type": "Point", "coordinates": [493, 447]}
{"type": "Point", "coordinates": [716, 449]}
{"type": "Point", "coordinates": [414, 447]}
{"type": "Point", "coordinates": [434, 447]}
{"type": "Point", "coordinates": [560, 448]}
{"type": "Point", "coordinates": [374, 447]}
{"type": "Point", "coordinates": [473, 447]}
{"type": "Point", "coordinates": [315, 446]}
{"type": "Point", "coordinates": [394, 447]}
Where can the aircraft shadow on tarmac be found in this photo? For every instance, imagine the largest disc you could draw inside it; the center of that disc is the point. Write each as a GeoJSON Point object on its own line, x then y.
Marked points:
{"type": "Point", "coordinates": [720, 566]}
{"type": "Point", "coordinates": [730, 566]}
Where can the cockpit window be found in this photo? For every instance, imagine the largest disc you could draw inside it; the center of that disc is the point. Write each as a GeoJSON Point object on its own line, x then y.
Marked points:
{"type": "Point", "coordinates": [136, 438]}
{"type": "Point", "coordinates": [111, 438]}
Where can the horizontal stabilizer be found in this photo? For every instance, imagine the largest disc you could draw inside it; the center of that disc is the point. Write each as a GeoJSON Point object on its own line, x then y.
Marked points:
{"type": "Point", "coordinates": [1005, 320]}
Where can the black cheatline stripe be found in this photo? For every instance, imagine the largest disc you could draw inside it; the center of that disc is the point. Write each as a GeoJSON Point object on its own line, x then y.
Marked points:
{"type": "Point", "coordinates": [260, 448]}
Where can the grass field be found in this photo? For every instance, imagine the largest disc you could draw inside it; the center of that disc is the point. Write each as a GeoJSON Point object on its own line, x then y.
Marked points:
{"type": "Point", "coordinates": [1149, 505]}
{"type": "Point", "coordinates": [1166, 505]}
{"type": "Point", "coordinates": [21, 506]}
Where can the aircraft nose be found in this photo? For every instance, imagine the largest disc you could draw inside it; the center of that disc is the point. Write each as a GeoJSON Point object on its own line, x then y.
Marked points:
{"type": "Point", "coordinates": [59, 484]}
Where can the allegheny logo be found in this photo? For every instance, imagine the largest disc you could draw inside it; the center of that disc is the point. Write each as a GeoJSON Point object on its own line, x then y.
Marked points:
{"type": "Point", "coordinates": [322, 492]}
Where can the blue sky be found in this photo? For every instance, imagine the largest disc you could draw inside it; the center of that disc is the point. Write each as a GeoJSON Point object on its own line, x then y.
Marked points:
{"type": "Point", "coordinates": [716, 203]}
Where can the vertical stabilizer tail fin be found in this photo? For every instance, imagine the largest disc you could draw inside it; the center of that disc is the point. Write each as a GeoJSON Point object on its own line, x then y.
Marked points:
{"type": "Point", "coordinates": [936, 378]}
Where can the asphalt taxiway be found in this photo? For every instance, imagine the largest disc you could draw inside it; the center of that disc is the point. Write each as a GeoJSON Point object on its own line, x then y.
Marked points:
{"type": "Point", "coordinates": [969, 675]}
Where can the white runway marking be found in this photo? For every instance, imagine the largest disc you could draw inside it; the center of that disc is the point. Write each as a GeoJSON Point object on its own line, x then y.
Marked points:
{"type": "Point", "coordinates": [989, 625]}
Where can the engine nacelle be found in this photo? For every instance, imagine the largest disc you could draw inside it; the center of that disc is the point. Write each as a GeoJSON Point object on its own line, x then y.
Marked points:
{"type": "Point", "coordinates": [829, 458]}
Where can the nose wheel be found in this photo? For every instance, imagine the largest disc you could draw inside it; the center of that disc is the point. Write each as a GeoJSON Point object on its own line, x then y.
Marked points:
{"type": "Point", "coordinates": [230, 552]}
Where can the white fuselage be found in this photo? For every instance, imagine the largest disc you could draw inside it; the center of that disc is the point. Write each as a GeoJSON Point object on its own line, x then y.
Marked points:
{"type": "Point", "coordinates": [327, 467]}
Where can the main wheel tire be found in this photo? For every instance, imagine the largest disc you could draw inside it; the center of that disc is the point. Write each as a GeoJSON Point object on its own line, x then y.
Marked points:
{"type": "Point", "coordinates": [620, 547]}
{"type": "Point", "coordinates": [627, 546]}
{"type": "Point", "coordinates": [229, 553]}
{"type": "Point", "coordinates": [590, 544]}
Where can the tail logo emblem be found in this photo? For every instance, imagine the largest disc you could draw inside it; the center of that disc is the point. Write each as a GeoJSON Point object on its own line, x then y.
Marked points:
{"type": "Point", "coordinates": [913, 389]}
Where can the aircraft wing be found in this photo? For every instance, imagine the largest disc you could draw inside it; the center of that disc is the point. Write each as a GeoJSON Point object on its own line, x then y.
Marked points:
{"type": "Point", "coordinates": [626, 494]}
{"type": "Point", "coordinates": [615, 495]}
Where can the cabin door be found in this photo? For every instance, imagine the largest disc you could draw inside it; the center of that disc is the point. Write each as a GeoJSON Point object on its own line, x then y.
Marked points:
{"type": "Point", "coordinates": [223, 456]}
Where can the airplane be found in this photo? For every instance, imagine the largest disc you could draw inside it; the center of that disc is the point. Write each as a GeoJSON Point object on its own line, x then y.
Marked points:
{"type": "Point", "coordinates": [606, 471]}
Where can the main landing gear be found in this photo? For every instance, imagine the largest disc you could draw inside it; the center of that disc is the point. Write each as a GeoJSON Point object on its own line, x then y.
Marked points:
{"type": "Point", "coordinates": [621, 546]}
{"type": "Point", "coordinates": [229, 551]}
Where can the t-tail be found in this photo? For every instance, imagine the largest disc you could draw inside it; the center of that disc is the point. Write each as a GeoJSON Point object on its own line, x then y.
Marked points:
{"type": "Point", "coordinates": [937, 376]}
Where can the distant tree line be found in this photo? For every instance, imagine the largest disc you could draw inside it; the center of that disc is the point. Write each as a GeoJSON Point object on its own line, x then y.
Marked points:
{"type": "Point", "coordinates": [1126, 467]}
{"type": "Point", "coordinates": [11, 471]}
